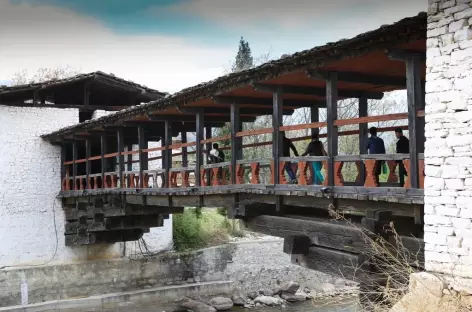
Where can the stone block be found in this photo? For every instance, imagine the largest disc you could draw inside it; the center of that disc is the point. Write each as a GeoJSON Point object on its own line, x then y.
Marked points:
{"type": "Point", "coordinates": [429, 247]}
{"type": "Point", "coordinates": [460, 223]}
{"type": "Point", "coordinates": [465, 161]}
{"type": "Point", "coordinates": [463, 233]}
{"type": "Point", "coordinates": [466, 13]}
{"type": "Point", "coordinates": [437, 31]}
{"type": "Point", "coordinates": [450, 211]}
{"type": "Point", "coordinates": [446, 4]}
{"type": "Point", "coordinates": [438, 85]}
{"type": "Point", "coordinates": [455, 9]}
{"type": "Point", "coordinates": [445, 230]}
{"type": "Point", "coordinates": [433, 171]}
{"type": "Point", "coordinates": [457, 25]}
{"type": "Point", "coordinates": [430, 228]}
{"type": "Point", "coordinates": [447, 39]}
{"type": "Point", "coordinates": [434, 183]}
{"type": "Point", "coordinates": [460, 140]}
{"type": "Point", "coordinates": [454, 184]}
{"type": "Point", "coordinates": [437, 220]}
{"type": "Point", "coordinates": [441, 248]}
{"type": "Point", "coordinates": [466, 213]}
{"type": "Point", "coordinates": [459, 251]}
{"type": "Point", "coordinates": [437, 239]}
{"type": "Point", "coordinates": [432, 42]}
{"type": "Point", "coordinates": [433, 256]}
{"type": "Point", "coordinates": [450, 172]}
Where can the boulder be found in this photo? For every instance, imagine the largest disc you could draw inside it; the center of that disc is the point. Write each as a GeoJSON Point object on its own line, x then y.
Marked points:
{"type": "Point", "coordinates": [238, 299]}
{"type": "Point", "coordinates": [221, 303]}
{"type": "Point", "coordinates": [289, 288]}
{"type": "Point", "coordinates": [253, 295]}
{"type": "Point", "coordinates": [293, 298]}
{"type": "Point", "coordinates": [328, 288]}
{"type": "Point", "coordinates": [196, 306]}
{"type": "Point", "coordinates": [270, 301]}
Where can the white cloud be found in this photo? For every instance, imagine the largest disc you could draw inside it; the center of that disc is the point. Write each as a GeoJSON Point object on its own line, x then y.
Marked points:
{"type": "Point", "coordinates": [33, 37]}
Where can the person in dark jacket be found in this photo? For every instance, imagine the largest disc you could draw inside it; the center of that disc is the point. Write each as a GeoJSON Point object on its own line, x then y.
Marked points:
{"type": "Point", "coordinates": [316, 148]}
{"type": "Point", "coordinates": [376, 145]}
{"type": "Point", "coordinates": [403, 147]}
{"type": "Point", "coordinates": [287, 145]}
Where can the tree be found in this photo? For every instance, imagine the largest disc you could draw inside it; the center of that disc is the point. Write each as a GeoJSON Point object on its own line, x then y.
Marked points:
{"type": "Point", "coordinates": [43, 74]}
{"type": "Point", "coordinates": [244, 58]}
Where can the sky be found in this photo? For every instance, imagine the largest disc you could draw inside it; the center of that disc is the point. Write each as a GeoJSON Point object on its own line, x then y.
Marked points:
{"type": "Point", "coordinates": [173, 44]}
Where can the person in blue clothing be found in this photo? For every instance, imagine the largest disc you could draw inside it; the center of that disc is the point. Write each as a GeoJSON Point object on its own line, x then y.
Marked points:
{"type": "Point", "coordinates": [375, 145]}
{"type": "Point", "coordinates": [316, 148]}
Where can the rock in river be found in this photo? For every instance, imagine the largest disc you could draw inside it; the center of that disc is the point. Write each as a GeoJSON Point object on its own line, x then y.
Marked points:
{"type": "Point", "coordinates": [196, 306]}
{"type": "Point", "coordinates": [289, 288]}
{"type": "Point", "coordinates": [221, 303]}
{"type": "Point", "coordinates": [270, 301]}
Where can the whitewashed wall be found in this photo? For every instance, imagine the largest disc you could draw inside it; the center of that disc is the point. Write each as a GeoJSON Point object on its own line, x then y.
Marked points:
{"type": "Point", "coordinates": [448, 150]}
{"type": "Point", "coordinates": [29, 184]}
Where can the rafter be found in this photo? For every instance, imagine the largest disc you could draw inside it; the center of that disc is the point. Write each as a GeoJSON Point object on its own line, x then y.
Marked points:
{"type": "Point", "coordinates": [359, 78]}
{"type": "Point", "coordinates": [238, 100]}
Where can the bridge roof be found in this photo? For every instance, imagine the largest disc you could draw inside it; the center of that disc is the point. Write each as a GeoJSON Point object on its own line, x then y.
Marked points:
{"type": "Point", "coordinates": [364, 55]}
{"type": "Point", "coordinates": [68, 90]}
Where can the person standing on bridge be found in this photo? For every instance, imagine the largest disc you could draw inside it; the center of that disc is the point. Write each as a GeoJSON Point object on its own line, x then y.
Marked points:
{"type": "Point", "coordinates": [316, 148]}
{"type": "Point", "coordinates": [286, 146]}
{"type": "Point", "coordinates": [217, 156]}
{"type": "Point", "coordinates": [403, 147]}
{"type": "Point", "coordinates": [375, 145]}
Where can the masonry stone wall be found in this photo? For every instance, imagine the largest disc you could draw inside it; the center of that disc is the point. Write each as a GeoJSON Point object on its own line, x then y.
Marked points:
{"type": "Point", "coordinates": [448, 149]}
{"type": "Point", "coordinates": [31, 218]}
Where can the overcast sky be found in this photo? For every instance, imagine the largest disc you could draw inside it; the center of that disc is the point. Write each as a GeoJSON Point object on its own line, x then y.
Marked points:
{"type": "Point", "coordinates": [169, 45]}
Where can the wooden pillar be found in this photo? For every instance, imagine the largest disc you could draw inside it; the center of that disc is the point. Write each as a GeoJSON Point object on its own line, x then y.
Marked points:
{"type": "Point", "coordinates": [415, 100]}
{"type": "Point", "coordinates": [207, 150]}
{"type": "Point", "coordinates": [63, 160]}
{"type": "Point", "coordinates": [88, 167]}
{"type": "Point", "coordinates": [420, 122]}
{"type": "Point", "coordinates": [143, 163]}
{"type": "Point", "coordinates": [183, 136]}
{"type": "Point", "coordinates": [277, 145]}
{"type": "Point", "coordinates": [363, 129]}
{"type": "Point", "coordinates": [103, 151]}
{"type": "Point", "coordinates": [168, 151]}
{"type": "Point", "coordinates": [236, 143]}
{"type": "Point", "coordinates": [129, 162]}
{"type": "Point", "coordinates": [121, 157]}
{"type": "Point", "coordinates": [315, 117]}
{"type": "Point", "coordinates": [332, 115]}
{"type": "Point", "coordinates": [74, 165]}
{"type": "Point", "coordinates": [199, 152]}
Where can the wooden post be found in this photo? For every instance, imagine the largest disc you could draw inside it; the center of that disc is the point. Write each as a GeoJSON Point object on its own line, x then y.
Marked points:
{"type": "Point", "coordinates": [420, 122]}
{"type": "Point", "coordinates": [207, 150]}
{"type": "Point", "coordinates": [63, 167]}
{"type": "Point", "coordinates": [235, 142]}
{"type": "Point", "coordinates": [315, 117]}
{"type": "Point", "coordinates": [103, 151]}
{"type": "Point", "coordinates": [415, 100]}
{"type": "Point", "coordinates": [129, 162]}
{"type": "Point", "coordinates": [168, 151]}
{"type": "Point", "coordinates": [363, 129]}
{"type": "Point", "coordinates": [277, 145]}
{"type": "Point", "coordinates": [143, 164]}
{"type": "Point", "coordinates": [88, 167]}
{"type": "Point", "coordinates": [121, 157]}
{"type": "Point", "coordinates": [199, 152]}
{"type": "Point", "coordinates": [74, 165]}
{"type": "Point", "coordinates": [183, 136]}
{"type": "Point", "coordinates": [332, 115]}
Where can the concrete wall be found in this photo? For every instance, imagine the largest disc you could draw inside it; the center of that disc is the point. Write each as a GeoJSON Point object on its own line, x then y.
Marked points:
{"type": "Point", "coordinates": [251, 265]}
{"type": "Point", "coordinates": [448, 150]}
{"type": "Point", "coordinates": [31, 218]}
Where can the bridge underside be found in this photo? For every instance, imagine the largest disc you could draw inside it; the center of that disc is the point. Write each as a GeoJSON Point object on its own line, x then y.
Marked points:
{"type": "Point", "coordinates": [313, 237]}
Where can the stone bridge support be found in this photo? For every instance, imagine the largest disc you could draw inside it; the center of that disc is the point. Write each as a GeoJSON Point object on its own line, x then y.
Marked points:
{"type": "Point", "coordinates": [448, 150]}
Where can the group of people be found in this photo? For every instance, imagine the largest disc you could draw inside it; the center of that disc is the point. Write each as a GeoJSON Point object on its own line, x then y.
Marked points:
{"type": "Point", "coordinates": [375, 145]}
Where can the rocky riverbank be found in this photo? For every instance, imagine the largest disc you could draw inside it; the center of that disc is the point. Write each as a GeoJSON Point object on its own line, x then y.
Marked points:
{"type": "Point", "coordinates": [287, 293]}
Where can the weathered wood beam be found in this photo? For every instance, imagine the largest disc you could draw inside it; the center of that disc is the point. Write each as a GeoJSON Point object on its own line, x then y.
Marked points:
{"type": "Point", "coordinates": [314, 117]}
{"type": "Point", "coordinates": [292, 89]}
{"type": "Point", "coordinates": [208, 147]}
{"type": "Point", "coordinates": [121, 158]}
{"type": "Point", "coordinates": [243, 110]}
{"type": "Point", "coordinates": [190, 119]}
{"type": "Point", "coordinates": [363, 129]}
{"type": "Point", "coordinates": [183, 137]}
{"type": "Point", "coordinates": [103, 151]}
{"type": "Point", "coordinates": [404, 55]}
{"type": "Point", "coordinates": [74, 165]}
{"type": "Point", "coordinates": [332, 130]}
{"type": "Point", "coordinates": [88, 164]}
{"type": "Point", "coordinates": [129, 161]}
{"type": "Point", "coordinates": [168, 152]}
{"type": "Point", "coordinates": [236, 142]}
{"type": "Point", "coordinates": [143, 164]}
{"type": "Point", "coordinates": [415, 100]}
{"type": "Point", "coordinates": [277, 146]}
{"type": "Point", "coordinates": [238, 100]}
{"type": "Point", "coordinates": [359, 78]}
{"type": "Point", "coordinates": [87, 94]}
{"type": "Point", "coordinates": [63, 159]}
{"type": "Point", "coordinates": [200, 121]}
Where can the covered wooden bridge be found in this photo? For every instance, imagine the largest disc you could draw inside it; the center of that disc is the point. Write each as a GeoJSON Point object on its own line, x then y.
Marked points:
{"type": "Point", "coordinates": [110, 192]}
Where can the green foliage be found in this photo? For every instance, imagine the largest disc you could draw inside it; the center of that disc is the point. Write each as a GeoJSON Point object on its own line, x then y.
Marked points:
{"type": "Point", "coordinates": [199, 228]}
{"type": "Point", "coordinates": [244, 59]}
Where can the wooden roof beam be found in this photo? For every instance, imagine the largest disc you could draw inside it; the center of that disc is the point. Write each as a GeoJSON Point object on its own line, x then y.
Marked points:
{"type": "Point", "coordinates": [291, 89]}
{"type": "Point", "coordinates": [243, 110]}
{"type": "Point", "coordinates": [403, 55]}
{"type": "Point", "coordinates": [192, 119]}
{"type": "Point", "coordinates": [228, 100]}
{"type": "Point", "coordinates": [359, 78]}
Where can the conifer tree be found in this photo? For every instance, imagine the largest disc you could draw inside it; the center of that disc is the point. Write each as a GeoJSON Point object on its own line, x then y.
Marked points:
{"type": "Point", "coordinates": [244, 59]}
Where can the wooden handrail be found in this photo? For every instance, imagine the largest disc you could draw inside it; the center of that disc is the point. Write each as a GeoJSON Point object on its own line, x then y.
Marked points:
{"type": "Point", "coordinates": [217, 139]}
{"type": "Point", "coordinates": [304, 126]}
{"type": "Point", "coordinates": [254, 132]}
